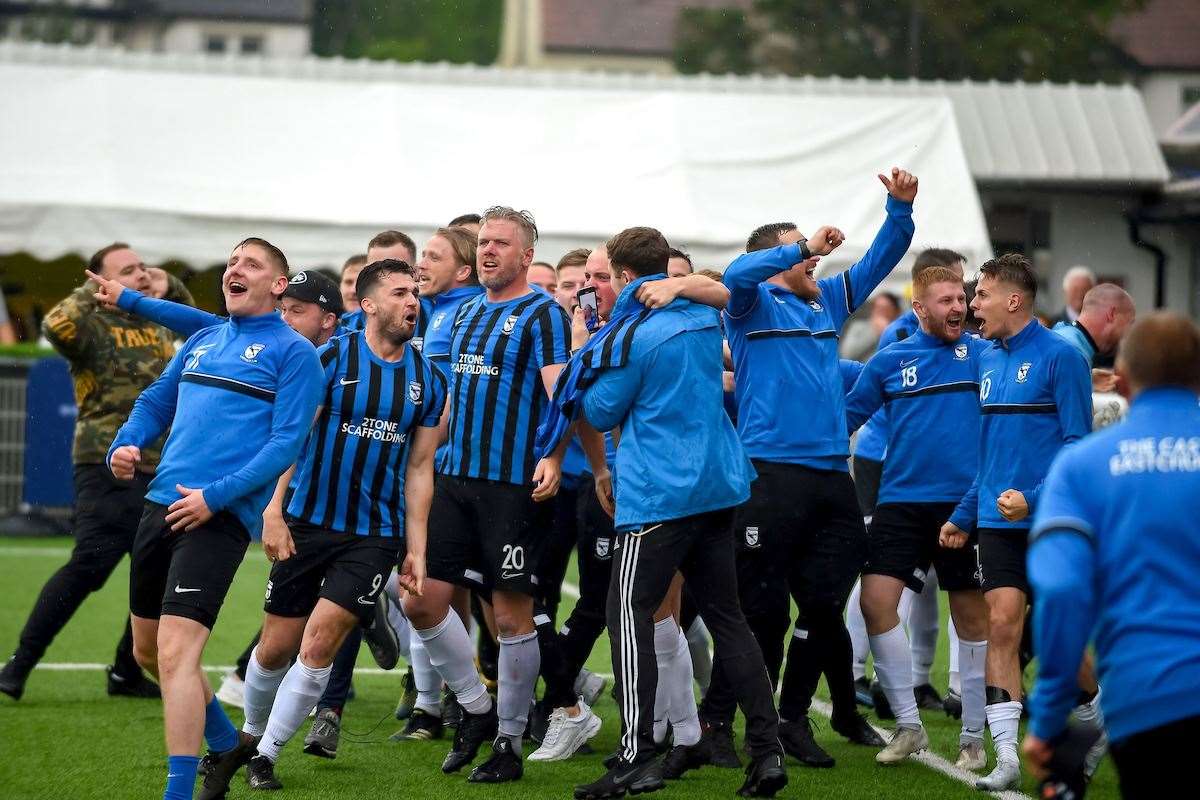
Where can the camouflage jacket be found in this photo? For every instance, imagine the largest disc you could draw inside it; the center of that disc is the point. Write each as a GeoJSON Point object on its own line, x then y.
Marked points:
{"type": "Point", "coordinates": [113, 356]}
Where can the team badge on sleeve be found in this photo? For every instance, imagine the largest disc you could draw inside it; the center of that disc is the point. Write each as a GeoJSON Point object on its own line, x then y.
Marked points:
{"type": "Point", "coordinates": [1023, 372]}
{"type": "Point", "coordinates": [414, 392]}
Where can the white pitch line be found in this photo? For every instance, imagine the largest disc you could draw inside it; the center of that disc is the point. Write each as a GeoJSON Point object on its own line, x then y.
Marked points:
{"type": "Point", "coordinates": [19, 551]}
{"type": "Point", "coordinates": [932, 760]}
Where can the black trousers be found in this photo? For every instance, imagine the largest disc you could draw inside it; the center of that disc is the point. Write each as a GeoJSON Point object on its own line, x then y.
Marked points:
{"type": "Point", "coordinates": [701, 547]}
{"type": "Point", "coordinates": [107, 512]}
{"type": "Point", "coordinates": [801, 535]}
{"type": "Point", "coordinates": [1155, 760]}
{"type": "Point", "coordinates": [573, 643]}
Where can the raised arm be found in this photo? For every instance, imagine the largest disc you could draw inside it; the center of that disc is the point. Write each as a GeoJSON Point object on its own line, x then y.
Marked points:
{"type": "Point", "coordinates": [852, 287]}
{"type": "Point", "coordinates": [748, 270]}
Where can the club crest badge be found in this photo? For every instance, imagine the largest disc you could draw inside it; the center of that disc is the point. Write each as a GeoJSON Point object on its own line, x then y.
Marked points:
{"type": "Point", "coordinates": [602, 547]}
{"type": "Point", "coordinates": [960, 352]}
{"type": "Point", "coordinates": [437, 319]}
{"type": "Point", "coordinates": [414, 392]}
{"type": "Point", "coordinates": [752, 537]}
{"type": "Point", "coordinates": [298, 278]}
{"type": "Point", "coordinates": [1023, 372]}
{"type": "Point", "coordinates": [814, 305]}
{"type": "Point", "coordinates": [510, 324]}
{"type": "Point", "coordinates": [251, 352]}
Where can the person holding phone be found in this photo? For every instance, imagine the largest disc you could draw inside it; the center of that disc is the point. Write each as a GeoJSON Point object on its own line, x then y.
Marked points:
{"type": "Point", "coordinates": [588, 305]}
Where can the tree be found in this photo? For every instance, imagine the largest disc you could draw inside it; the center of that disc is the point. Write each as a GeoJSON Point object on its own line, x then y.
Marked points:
{"type": "Point", "coordinates": [459, 31]}
{"type": "Point", "coordinates": [1028, 40]}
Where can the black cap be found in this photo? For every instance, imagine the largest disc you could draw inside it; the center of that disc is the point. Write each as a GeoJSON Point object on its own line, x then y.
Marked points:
{"type": "Point", "coordinates": [311, 286]}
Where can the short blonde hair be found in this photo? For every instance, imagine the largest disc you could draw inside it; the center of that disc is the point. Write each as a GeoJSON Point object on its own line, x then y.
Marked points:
{"type": "Point", "coordinates": [931, 275]}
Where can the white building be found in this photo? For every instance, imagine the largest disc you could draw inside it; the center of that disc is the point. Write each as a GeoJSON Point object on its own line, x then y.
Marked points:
{"type": "Point", "coordinates": [279, 28]}
{"type": "Point", "coordinates": [1068, 174]}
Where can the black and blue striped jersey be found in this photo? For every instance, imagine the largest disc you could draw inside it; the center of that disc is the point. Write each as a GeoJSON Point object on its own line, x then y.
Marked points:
{"type": "Point", "coordinates": [497, 351]}
{"type": "Point", "coordinates": [351, 476]}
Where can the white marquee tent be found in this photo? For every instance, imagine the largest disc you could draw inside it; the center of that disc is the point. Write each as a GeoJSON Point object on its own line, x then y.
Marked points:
{"type": "Point", "coordinates": [183, 157]}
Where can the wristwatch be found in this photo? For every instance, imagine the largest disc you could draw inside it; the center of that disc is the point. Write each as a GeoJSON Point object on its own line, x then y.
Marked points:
{"type": "Point", "coordinates": [805, 253]}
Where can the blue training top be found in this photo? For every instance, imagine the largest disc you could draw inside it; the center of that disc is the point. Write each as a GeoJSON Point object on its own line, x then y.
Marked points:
{"type": "Point", "coordinates": [1035, 393]}
{"type": "Point", "coordinates": [679, 455]}
{"type": "Point", "coordinates": [787, 381]}
{"type": "Point", "coordinates": [1114, 557]}
{"type": "Point", "coordinates": [926, 389]}
{"type": "Point", "coordinates": [239, 398]}
{"type": "Point", "coordinates": [350, 478]}
{"type": "Point", "coordinates": [179, 317]}
{"type": "Point", "coordinates": [1079, 338]}
{"type": "Point", "coordinates": [873, 436]}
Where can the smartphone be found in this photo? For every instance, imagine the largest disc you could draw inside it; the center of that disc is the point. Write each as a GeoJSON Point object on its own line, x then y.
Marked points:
{"type": "Point", "coordinates": [591, 307]}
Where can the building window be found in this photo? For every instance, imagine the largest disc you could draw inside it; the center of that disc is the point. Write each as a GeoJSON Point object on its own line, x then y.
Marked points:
{"type": "Point", "coordinates": [214, 44]}
{"type": "Point", "coordinates": [1191, 96]}
{"type": "Point", "coordinates": [252, 45]}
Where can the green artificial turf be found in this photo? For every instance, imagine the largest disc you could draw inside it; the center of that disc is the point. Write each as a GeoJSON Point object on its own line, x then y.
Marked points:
{"type": "Point", "coordinates": [67, 740]}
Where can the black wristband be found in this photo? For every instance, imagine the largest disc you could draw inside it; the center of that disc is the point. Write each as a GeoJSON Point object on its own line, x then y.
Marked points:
{"type": "Point", "coordinates": [805, 253]}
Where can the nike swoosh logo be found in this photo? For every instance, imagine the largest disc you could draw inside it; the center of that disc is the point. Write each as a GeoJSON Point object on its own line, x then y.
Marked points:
{"type": "Point", "coordinates": [180, 590]}
{"type": "Point", "coordinates": [906, 363]}
{"type": "Point", "coordinates": [989, 372]}
{"type": "Point", "coordinates": [781, 301]}
{"type": "Point", "coordinates": [345, 382]}
{"type": "Point", "coordinates": [510, 575]}
{"type": "Point", "coordinates": [366, 602]}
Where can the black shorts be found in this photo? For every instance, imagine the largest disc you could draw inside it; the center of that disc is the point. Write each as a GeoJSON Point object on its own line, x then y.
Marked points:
{"type": "Point", "coordinates": [486, 535]}
{"type": "Point", "coordinates": [184, 574]}
{"type": "Point", "coordinates": [1002, 559]}
{"type": "Point", "coordinates": [867, 474]}
{"type": "Point", "coordinates": [902, 543]}
{"type": "Point", "coordinates": [344, 568]}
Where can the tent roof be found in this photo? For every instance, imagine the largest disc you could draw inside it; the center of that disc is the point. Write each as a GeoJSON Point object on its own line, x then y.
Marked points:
{"type": "Point", "coordinates": [184, 156]}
